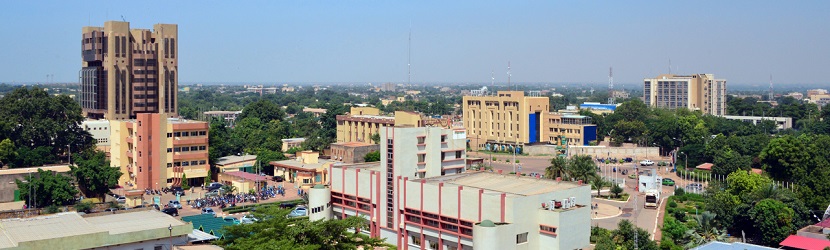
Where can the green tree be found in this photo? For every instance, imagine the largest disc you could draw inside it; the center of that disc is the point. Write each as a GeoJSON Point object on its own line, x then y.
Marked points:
{"type": "Point", "coordinates": [704, 231]}
{"type": "Point", "coordinates": [185, 186]}
{"type": "Point", "coordinates": [218, 140]}
{"type": "Point", "coordinates": [558, 168]}
{"type": "Point", "coordinates": [616, 190]}
{"type": "Point", "coordinates": [265, 156]}
{"type": "Point", "coordinates": [46, 188]}
{"type": "Point", "coordinates": [7, 152]}
{"type": "Point", "coordinates": [743, 183]}
{"type": "Point", "coordinates": [624, 236]}
{"type": "Point", "coordinates": [372, 156]}
{"type": "Point", "coordinates": [774, 221]}
{"type": "Point", "coordinates": [228, 189]}
{"type": "Point", "coordinates": [675, 230]}
{"type": "Point", "coordinates": [263, 109]}
{"type": "Point", "coordinates": [582, 167]}
{"type": "Point", "coordinates": [94, 174]}
{"type": "Point", "coordinates": [376, 138]}
{"type": "Point", "coordinates": [33, 119]}
{"type": "Point", "coordinates": [597, 182]}
{"type": "Point", "coordinates": [277, 232]}
{"type": "Point", "coordinates": [786, 157]}
{"type": "Point", "coordinates": [727, 161]}
{"type": "Point", "coordinates": [83, 206]}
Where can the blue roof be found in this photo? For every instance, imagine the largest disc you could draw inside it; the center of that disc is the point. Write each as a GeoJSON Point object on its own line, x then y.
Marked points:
{"type": "Point", "coordinates": [731, 246]}
{"type": "Point", "coordinates": [599, 106]}
{"type": "Point", "coordinates": [209, 224]}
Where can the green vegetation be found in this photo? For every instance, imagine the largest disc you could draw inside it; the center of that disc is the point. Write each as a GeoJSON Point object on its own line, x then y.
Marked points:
{"type": "Point", "coordinates": [46, 188]}
{"type": "Point", "coordinates": [372, 156]}
{"type": "Point", "coordinates": [622, 238]}
{"type": "Point", "coordinates": [40, 128]}
{"type": "Point", "coordinates": [277, 232]}
{"type": "Point", "coordinates": [578, 167]}
{"type": "Point", "coordinates": [93, 173]}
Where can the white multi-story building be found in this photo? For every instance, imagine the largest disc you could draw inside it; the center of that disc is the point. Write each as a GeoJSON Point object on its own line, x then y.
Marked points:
{"type": "Point", "coordinates": [420, 197]}
{"type": "Point", "coordinates": [696, 92]}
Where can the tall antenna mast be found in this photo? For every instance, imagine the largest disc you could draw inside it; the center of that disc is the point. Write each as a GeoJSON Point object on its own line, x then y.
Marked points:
{"type": "Point", "coordinates": [492, 80]}
{"type": "Point", "coordinates": [508, 75]}
{"type": "Point", "coordinates": [409, 58]}
{"type": "Point", "coordinates": [770, 87]}
{"type": "Point", "coordinates": [611, 99]}
{"type": "Point", "coordinates": [669, 65]}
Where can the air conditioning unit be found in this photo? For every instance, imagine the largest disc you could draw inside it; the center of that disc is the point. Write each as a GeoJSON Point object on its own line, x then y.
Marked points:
{"type": "Point", "coordinates": [572, 201]}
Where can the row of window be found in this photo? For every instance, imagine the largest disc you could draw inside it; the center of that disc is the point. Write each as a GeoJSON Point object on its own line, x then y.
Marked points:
{"type": "Point", "coordinates": [187, 163]}
{"type": "Point", "coordinates": [187, 149]}
{"type": "Point", "coordinates": [187, 133]}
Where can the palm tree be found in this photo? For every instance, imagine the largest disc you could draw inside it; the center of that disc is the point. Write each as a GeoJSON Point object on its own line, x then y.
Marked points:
{"type": "Point", "coordinates": [705, 231]}
{"type": "Point", "coordinates": [228, 189]}
{"type": "Point", "coordinates": [598, 183]}
{"type": "Point", "coordinates": [770, 191]}
{"type": "Point", "coordinates": [558, 168]}
{"type": "Point", "coordinates": [582, 167]}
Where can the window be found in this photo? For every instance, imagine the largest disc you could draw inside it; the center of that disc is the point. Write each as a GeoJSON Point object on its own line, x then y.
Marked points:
{"type": "Point", "coordinates": [421, 140]}
{"type": "Point", "coordinates": [416, 240]}
{"type": "Point", "coordinates": [202, 132]}
{"type": "Point", "coordinates": [185, 133]}
{"type": "Point", "coordinates": [169, 150]}
{"type": "Point", "coordinates": [185, 149]}
{"type": "Point", "coordinates": [177, 134]}
{"type": "Point", "coordinates": [169, 135]}
{"type": "Point", "coordinates": [521, 238]}
{"type": "Point", "coordinates": [202, 148]}
{"type": "Point", "coordinates": [170, 180]}
{"type": "Point", "coordinates": [194, 148]}
{"type": "Point", "coordinates": [457, 154]}
{"type": "Point", "coordinates": [194, 163]}
{"type": "Point", "coordinates": [202, 162]}
{"type": "Point", "coordinates": [177, 149]}
{"type": "Point", "coordinates": [422, 157]}
{"type": "Point", "coordinates": [185, 163]}
{"type": "Point", "coordinates": [169, 165]}
{"type": "Point", "coordinates": [177, 164]}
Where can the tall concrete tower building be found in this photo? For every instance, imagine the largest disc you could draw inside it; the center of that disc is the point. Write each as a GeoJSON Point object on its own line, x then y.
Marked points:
{"type": "Point", "coordinates": [696, 92]}
{"type": "Point", "coordinates": [129, 71]}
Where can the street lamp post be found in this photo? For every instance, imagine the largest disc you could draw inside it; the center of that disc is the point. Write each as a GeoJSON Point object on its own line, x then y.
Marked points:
{"type": "Point", "coordinates": [170, 229]}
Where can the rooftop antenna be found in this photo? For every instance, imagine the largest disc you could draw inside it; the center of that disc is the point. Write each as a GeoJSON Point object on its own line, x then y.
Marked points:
{"type": "Point", "coordinates": [409, 58]}
{"type": "Point", "coordinates": [611, 99]}
{"type": "Point", "coordinates": [493, 80]}
{"type": "Point", "coordinates": [508, 75]}
{"type": "Point", "coordinates": [770, 88]}
{"type": "Point", "coordinates": [669, 66]}
{"type": "Point", "coordinates": [123, 19]}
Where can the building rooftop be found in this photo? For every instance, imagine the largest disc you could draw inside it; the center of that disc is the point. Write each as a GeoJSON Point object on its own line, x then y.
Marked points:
{"type": "Point", "coordinates": [62, 225]}
{"type": "Point", "coordinates": [247, 176]}
{"type": "Point", "coordinates": [363, 165]}
{"type": "Point", "coordinates": [510, 184]}
{"type": "Point", "coordinates": [353, 144]}
{"type": "Point", "coordinates": [293, 140]}
{"type": "Point", "coordinates": [299, 165]}
{"type": "Point", "coordinates": [57, 168]}
{"type": "Point", "coordinates": [716, 245]}
{"type": "Point", "coordinates": [222, 112]}
{"type": "Point", "coordinates": [231, 159]}
{"type": "Point", "coordinates": [801, 242]}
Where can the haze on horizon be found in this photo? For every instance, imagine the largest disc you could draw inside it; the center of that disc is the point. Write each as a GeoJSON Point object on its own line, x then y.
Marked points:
{"type": "Point", "coordinates": [458, 41]}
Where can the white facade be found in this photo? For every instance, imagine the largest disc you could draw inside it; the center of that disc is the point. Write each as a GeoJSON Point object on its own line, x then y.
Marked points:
{"type": "Point", "coordinates": [780, 122]}
{"type": "Point", "coordinates": [100, 131]}
{"type": "Point", "coordinates": [424, 202]}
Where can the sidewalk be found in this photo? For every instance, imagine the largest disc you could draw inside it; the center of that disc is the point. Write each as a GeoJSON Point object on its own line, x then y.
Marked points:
{"type": "Point", "coordinates": [605, 211]}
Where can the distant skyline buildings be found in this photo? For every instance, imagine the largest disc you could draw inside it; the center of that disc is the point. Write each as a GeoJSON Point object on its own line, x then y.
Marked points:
{"type": "Point", "coordinates": [544, 41]}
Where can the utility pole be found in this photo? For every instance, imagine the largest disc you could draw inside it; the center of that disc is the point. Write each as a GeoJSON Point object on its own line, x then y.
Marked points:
{"type": "Point", "coordinates": [508, 75]}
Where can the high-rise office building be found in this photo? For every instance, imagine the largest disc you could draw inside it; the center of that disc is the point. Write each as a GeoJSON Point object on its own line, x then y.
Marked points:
{"type": "Point", "coordinates": [128, 71]}
{"type": "Point", "coordinates": [696, 92]}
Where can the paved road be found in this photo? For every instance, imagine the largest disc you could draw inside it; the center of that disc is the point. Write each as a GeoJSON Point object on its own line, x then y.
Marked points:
{"type": "Point", "coordinates": [632, 210]}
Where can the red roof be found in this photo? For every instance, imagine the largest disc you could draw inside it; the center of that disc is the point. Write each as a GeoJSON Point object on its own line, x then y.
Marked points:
{"type": "Point", "coordinates": [704, 166]}
{"type": "Point", "coordinates": [247, 176]}
{"type": "Point", "coordinates": [801, 242]}
{"type": "Point", "coordinates": [824, 223]}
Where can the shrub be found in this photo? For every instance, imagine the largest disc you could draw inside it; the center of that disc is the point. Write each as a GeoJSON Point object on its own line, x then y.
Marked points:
{"type": "Point", "coordinates": [83, 207]}
{"type": "Point", "coordinates": [51, 209]}
{"type": "Point", "coordinates": [517, 161]}
{"type": "Point", "coordinates": [672, 204]}
{"type": "Point", "coordinates": [679, 192]}
{"type": "Point", "coordinates": [494, 159]}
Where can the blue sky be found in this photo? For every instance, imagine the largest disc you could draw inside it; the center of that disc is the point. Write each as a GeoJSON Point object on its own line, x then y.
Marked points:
{"type": "Point", "coordinates": [452, 41]}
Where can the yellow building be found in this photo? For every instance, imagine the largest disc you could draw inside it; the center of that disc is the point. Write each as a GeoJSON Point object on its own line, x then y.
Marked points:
{"type": "Point", "coordinates": [306, 169]}
{"type": "Point", "coordinates": [154, 151]}
{"type": "Point", "coordinates": [510, 119]}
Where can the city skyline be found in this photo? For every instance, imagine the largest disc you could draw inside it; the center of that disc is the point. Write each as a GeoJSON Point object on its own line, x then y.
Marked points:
{"type": "Point", "coordinates": [741, 41]}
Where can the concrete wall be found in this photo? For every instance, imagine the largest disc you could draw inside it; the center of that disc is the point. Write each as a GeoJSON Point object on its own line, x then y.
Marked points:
{"type": "Point", "coordinates": [597, 151]}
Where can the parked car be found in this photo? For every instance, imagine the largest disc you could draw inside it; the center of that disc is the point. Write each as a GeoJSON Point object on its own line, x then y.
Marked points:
{"type": "Point", "coordinates": [297, 212]}
{"type": "Point", "coordinates": [147, 205]}
{"type": "Point", "coordinates": [668, 182]}
{"type": "Point", "coordinates": [233, 220]}
{"type": "Point", "coordinates": [214, 186]}
{"type": "Point", "coordinates": [112, 209]}
{"type": "Point", "coordinates": [248, 219]}
{"type": "Point", "coordinates": [172, 211]}
{"type": "Point", "coordinates": [216, 192]}
{"type": "Point", "coordinates": [174, 203]}
{"type": "Point", "coordinates": [121, 199]}
{"type": "Point", "coordinates": [646, 163]}
{"type": "Point", "coordinates": [287, 205]}
{"type": "Point", "coordinates": [278, 178]}
{"type": "Point", "coordinates": [177, 191]}
{"type": "Point", "coordinates": [208, 210]}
